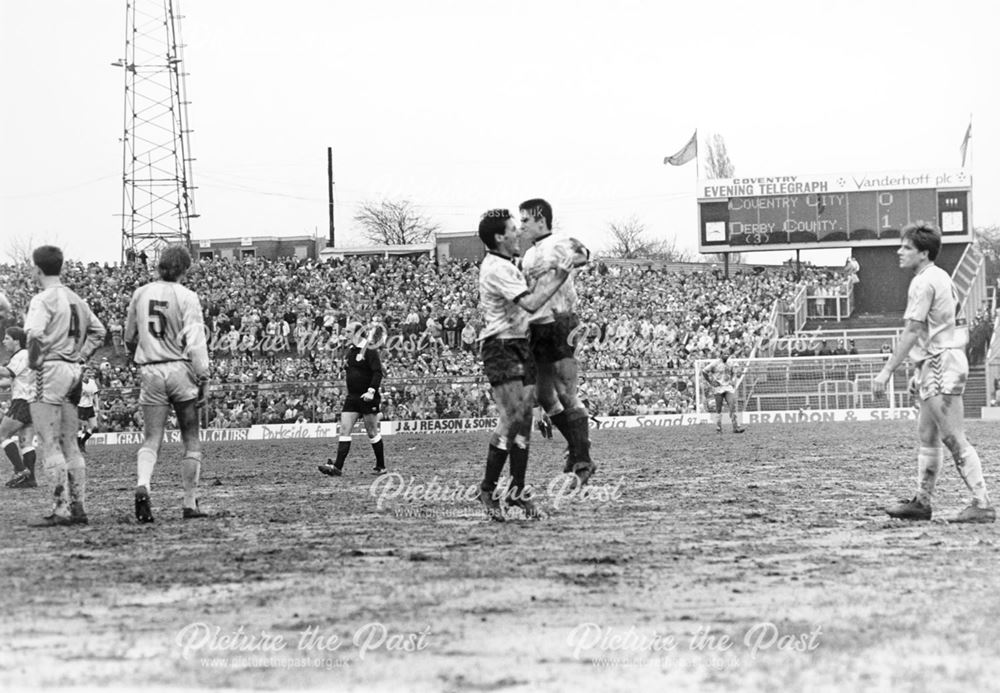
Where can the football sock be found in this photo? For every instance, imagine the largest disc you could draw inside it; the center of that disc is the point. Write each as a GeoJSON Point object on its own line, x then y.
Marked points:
{"type": "Point", "coordinates": [561, 421]}
{"type": "Point", "coordinates": [379, 451]}
{"type": "Point", "coordinates": [76, 476]}
{"type": "Point", "coordinates": [13, 453]}
{"type": "Point", "coordinates": [495, 459]}
{"type": "Point", "coordinates": [579, 427]}
{"type": "Point", "coordinates": [55, 474]}
{"type": "Point", "coordinates": [970, 468]}
{"type": "Point", "coordinates": [928, 465]}
{"type": "Point", "coordinates": [518, 464]}
{"type": "Point", "coordinates": [190, 475]}
{"type": "Point", "coordinates": [343, 447]}
{"type": "Point", "coordinates": [145, 461]}
{"type": "Point", "coordinates": [85, 434]}
{"type": "Point", "coordinates": [28, 456]}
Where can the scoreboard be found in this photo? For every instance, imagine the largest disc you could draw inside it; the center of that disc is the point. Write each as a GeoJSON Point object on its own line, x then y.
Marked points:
{"type": "Point", "coordinates": [839, 210]}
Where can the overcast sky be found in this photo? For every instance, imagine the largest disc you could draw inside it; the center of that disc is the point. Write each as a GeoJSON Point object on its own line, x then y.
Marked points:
{"type": "Point", "coordinates": [462, 106]}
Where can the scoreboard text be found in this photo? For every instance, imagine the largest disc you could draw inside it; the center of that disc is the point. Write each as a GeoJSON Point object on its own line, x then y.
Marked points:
{"type": "Point", "coordinates": [777, 213]}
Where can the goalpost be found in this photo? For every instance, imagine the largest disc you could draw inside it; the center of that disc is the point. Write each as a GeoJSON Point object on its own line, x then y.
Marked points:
{"type": "Point", "coordinates": [801, 383]}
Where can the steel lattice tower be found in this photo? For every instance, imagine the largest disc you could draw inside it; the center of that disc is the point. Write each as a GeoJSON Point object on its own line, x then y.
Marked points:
{"type": "Point", "coordinates": [157, 181]}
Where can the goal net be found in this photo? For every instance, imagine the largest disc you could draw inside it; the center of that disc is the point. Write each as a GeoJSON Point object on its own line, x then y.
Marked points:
{"type": "Point", "coordinates": [808, 383]}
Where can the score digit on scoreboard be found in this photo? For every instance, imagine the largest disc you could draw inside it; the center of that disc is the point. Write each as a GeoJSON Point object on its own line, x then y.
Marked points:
{"type": "Point", "coordinates": [789, 212]}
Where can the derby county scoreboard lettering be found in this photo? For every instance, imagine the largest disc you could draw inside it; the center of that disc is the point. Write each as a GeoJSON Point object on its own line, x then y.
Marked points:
{"type": "Point", "coordinates": [789, 212]}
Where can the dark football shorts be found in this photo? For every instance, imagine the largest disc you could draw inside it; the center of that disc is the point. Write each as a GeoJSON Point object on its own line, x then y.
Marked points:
{"type": "Point", "coordinates": [84, 413]}
{"type": "Point", "coordinates": [19, 410]}
{"type": "Point", "coordinates": [508, 359]}
{"type": "Point", "coordinates": [355, 404]}
{"type": "Point", "coordinates": [555, 341]}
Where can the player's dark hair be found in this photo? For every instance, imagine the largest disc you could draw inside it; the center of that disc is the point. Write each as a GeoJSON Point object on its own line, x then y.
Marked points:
{"type": "Point", "coordinates": [924, 236]}
{"type": "Point", "coordinates": [538, 207]}
{"type": "Point", "coordinates": [49, 259]}
{"type": "Point", "coordinates": [174, 261]}
{"type": "Point", "coordinates": [18, 334]}
{"type": "Point", "coordinates": [492, 223]}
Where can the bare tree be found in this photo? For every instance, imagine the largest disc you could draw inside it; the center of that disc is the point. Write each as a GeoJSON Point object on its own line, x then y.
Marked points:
{"type": "Point", "coordinates": [988, 240]}
{"type": "Point", "coordinates": [629, 241]}
{"type": "Point", "coordinates": [19, 248]}
{"type": "Point", "coordinates": [667, 251]}
{"type": "Point", "coordinates": [394, 222]}
{"type": "Point", "coordinates": [717, 162]}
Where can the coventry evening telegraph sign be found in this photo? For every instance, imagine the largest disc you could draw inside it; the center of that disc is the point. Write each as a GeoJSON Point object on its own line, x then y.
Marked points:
{"type": "Point", "coordinates": [837, 210]}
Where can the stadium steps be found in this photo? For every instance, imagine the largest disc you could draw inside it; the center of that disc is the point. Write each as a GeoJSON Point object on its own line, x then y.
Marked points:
{"type": "Point", "coordinates": [863, 321]}
{"type": "Point", "coordinates": [975, 392]}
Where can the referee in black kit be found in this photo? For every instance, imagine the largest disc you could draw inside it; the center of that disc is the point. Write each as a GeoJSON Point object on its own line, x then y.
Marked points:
{"type": "Point", "coordinates": [364, 376]}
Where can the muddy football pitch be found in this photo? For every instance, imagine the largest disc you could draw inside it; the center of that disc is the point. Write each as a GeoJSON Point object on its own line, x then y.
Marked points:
{"type": "Point", "coordinates": [697, 562]}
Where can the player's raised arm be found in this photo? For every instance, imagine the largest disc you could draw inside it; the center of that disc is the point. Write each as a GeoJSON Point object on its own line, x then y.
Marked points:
{"type": "Point", "coordinates": [581, 254]}
{"type": "Point", "coordinates": [708, 373]}
{"type": "Point", "coordinates": [378, 373]}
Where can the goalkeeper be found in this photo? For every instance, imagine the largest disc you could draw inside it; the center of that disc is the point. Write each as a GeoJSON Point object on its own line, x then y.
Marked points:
{"type": "Point", "coordinates": [721, 377]}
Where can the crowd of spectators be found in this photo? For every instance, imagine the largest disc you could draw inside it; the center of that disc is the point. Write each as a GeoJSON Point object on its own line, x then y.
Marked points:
{"type": "Point", "coordinates": [272, 323]}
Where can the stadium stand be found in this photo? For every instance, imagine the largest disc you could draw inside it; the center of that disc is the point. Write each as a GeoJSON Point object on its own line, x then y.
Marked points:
{"type": "Point", "coordinates": [278, 330]}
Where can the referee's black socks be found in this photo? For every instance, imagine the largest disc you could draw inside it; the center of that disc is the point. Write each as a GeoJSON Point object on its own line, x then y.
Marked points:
{"type": "Point", "coordinates": [379, 451]}
{"type": "Point", "coordinates": [343, 447]}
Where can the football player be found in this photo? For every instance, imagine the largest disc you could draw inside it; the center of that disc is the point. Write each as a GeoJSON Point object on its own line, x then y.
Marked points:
{"type": "Point", "coordinates": [89, 409]}
{"type": "Point", "coordinates": [165, 333]}
{"type": "Point", "coordinates": [507, 303]}
{"type": "Point", "coordinates": [15, 428]}
{"type": "Point", "coordinates": [62, 334]}
{"type": "Point", "coordinates": [934, 338]}
{"type": "Point", "coordinates": [721, 377]}
{"type": "Point", "coordinates": [552, 331]}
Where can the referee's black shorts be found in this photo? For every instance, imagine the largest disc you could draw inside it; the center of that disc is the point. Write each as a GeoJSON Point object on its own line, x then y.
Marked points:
{"type": "Point", "coordinates": [354, 403]}
{"type": "Point", "coordinates": [508, 359]}
{"type": "Point", "coordinates": [554, 341]}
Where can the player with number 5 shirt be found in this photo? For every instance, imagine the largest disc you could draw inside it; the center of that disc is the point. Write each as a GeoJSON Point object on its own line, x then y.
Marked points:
{"type": "Point", "coordinates": [165, 331]}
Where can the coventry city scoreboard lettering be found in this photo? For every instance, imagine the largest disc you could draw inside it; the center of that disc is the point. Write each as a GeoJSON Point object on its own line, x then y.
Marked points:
{"type": "Point", "coordinates": [787, 212]}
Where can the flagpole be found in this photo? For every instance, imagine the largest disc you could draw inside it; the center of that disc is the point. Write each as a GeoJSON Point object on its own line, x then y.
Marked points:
{"type": "Point", "coordinates": [697, 159]}
{"type": "Point", "coordinates": [970, 144]}
{"type": "Point", "coordinates": [972, 181]}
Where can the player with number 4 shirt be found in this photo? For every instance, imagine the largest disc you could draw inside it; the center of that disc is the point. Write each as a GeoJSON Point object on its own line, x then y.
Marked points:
{"type": "Point", "coordinates": [62, 333]}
